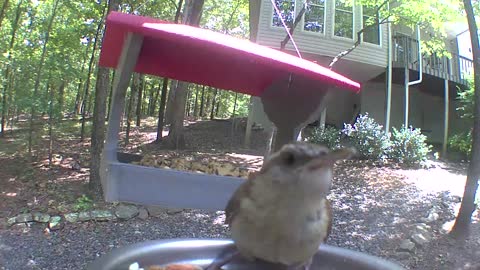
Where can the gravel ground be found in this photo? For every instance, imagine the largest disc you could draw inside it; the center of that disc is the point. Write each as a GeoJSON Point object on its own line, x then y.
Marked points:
{"type": "Point", "coordinates": [373, 211]}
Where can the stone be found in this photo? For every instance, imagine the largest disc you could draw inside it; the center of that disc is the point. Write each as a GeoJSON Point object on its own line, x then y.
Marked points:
{"type": "Point", "coordinates": [11, 221]}
{"type": "Point", "coordinates": [84, 216]}
{"type": "Point", "coordinates": [126, 211]}
{"type": "Point", "coordinates": [102, 215]}
{"type": "Point", "coordinates": [55, 223]}
{"type": "Point", "coordinates": [156, 211]}
{"type": "Point", "coordinates": [432, 216]}
{"type": "Point", "coordinates": [40, 217]}
{"type": "Point", "coordinates": [407, 245]}
{"type": "Point", "coordinates": [402, 255]}
{"type": "Point", "coordinates": [71, 217]}
{"type": "Point", "coordinates": [24, 218]}
{"type": "Point", "coordinates": [142, 214]}
{"type": "Point", "coordinates": [173, 211]}
{"type": "Point", "coordinates": [423, 228]}
{"type": "Point", "coordinates": [419, 239]}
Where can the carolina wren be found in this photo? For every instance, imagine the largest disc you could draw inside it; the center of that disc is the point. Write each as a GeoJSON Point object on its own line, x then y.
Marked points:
{"type": "Point", "coordinates": [281, 214]}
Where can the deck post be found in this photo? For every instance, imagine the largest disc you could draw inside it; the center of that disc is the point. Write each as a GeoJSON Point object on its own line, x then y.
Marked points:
{"type": "Point", "coordinates": [407, 97]}
{"type": "Point", "coordinates": [446, 119]}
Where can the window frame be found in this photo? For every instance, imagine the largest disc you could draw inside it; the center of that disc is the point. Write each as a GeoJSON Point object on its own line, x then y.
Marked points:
{"type": "Point", "coordinates": [352, 11]}
{"type": "Point", "coordinates": [325, 9]}
{"type": "Point", "coordinates": [380, 40]}
{"type": "Point", "coordinates": [272, 11]}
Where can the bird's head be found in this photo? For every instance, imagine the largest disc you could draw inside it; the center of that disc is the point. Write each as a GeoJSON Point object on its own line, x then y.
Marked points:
{"type": "Point", "coordinates": [304, 167]}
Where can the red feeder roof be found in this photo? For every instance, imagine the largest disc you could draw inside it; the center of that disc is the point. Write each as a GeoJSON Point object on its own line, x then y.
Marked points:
{"type": "Point", "coordinates": [205, 57]}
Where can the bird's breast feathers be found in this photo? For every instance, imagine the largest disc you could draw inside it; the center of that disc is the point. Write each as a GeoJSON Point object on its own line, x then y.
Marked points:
{"type": "Point", "coordinates": [287, 232]}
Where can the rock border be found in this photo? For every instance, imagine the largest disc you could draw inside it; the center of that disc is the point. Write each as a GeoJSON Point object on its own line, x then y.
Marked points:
{"type": "Point", "coordinates": [121, 212]}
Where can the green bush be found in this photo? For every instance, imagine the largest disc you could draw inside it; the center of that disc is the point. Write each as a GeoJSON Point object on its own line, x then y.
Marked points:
{"type": "Point", "coordinates": [461, 143]}
{"type": "Point", "coordinates": [409, 146]}
{"type": "Point", "coordinates": [368, 137]}
{"type": "Point", "coordinates": [328, 136]}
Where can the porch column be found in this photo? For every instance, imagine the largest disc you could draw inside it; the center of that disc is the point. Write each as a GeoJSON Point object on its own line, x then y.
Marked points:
{"type": "Point", "coordinates": [407, 97]}
{"type": "Point", "coordinates": [446, 115]}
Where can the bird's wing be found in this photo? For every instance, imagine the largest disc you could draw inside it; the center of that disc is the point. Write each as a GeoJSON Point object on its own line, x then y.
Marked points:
{"type": "Point", "coordinates": [233, 205]}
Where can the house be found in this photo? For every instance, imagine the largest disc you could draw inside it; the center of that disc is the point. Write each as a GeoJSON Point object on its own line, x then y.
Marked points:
{"type": "Point", "coordinates": [329, 27]}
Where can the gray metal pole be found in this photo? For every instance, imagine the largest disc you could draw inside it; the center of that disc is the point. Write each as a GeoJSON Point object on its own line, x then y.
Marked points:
{"type": "Point", "coordinates": [446, 119]}
{"type": "Point", "coordinates": [407, 97]}
{"type": "Point", "coordinates": [388, 95]}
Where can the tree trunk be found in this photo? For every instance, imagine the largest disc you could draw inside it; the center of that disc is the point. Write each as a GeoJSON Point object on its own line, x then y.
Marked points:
{"type": "Point", "coordinates": [169, 104]}
{"type": "Point", "coordinates": [189, 97]}
{"type": "Point", "coordinates": [161, 110]}
{"type": "Point", "coordinates": [109, 89]}
{"type": "Point", "coordinates": [6, 74]}
{"type": "Point", "coordinates": [76, 108]}
{"type": "Point", "coordinates": [50, 125]}
{"type": "Point", "coordinates": [195, 104]}
{"type": "Point", "coordinates": [175, 138]}
{"type": "Point", "coordinates": [155, 98]}
{"type": "Point", "coordinates": [140, 99]}
{"type": "Point", "coordinates": [208, 101]}
{"type": "Point", "coordinates": [461, 229]}
{"type": "Point", "coordinates": [61, 97]}
{"type": "Point", "coordinates": [133, 92]}
{"type": "Point", "coordinates": [3, 11]}
{"type": "Point", "coordinates": [87, 83]}
{"type": "Point", "coordinates": [202, 99]}
{"type": "Point", "coordinates": [39, 74]}
{"type": "Point", "coordinates": [214, 101]}
{"type": "Point", "coordinates": [98, 123]}
{"type": "Point", "coordinates": [235, 105]}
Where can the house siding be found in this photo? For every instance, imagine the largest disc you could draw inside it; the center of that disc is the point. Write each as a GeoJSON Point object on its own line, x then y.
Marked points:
{"type": "Point", "coordinates": [322, 44]}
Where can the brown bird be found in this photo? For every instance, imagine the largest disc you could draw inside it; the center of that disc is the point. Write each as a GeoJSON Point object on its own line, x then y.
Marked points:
{"type": "Point", "coordinates": [281, 214]}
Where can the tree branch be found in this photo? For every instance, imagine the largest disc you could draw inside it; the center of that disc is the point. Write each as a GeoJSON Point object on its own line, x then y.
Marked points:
{"type": "Point", "coordinates": [359, 36]}
{"type": "Point", "coordinates": [292, 28]}
{"type": "Point", "coordinates": [225, 26]}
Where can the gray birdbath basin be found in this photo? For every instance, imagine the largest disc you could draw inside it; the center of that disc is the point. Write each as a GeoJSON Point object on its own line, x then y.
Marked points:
{"type": "Point", "coordinates": [202, 251]}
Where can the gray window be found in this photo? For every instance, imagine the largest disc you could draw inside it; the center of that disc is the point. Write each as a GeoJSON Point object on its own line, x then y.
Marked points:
{"type": "Point", "coordinates": [343, 19]}
{"type": "Point", "coordinates": [315, 16]}
{"type": "Point", "coordinates": [287, 11]}
{"type": "Point", "coordinates": [371, 34]}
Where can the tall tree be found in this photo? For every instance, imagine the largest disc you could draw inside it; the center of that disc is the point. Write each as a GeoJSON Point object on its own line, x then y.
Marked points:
{"type": "Point", "coordinates": [8, 68]}
{"type": "Point", "coordinates": [175, 138]}
{"type": "Point", "coordinates": [39, 74]}
{"type": "Point", "coordinates": [3, 11]}
{"type": "Point", "coordinates": [98, 124]}
{"type": "Point", "coordinates": [90, 70]}
{"type": "Point", "coordinates": [140, 100]}
{"type": "Point", "coordinates": [161, 110]}
{"type": "Point", "coordinates": [461, 227]}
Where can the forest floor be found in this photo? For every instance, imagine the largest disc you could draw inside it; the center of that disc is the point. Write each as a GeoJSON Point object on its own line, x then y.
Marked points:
{"type": "Point", "coordinates": [377, 208]}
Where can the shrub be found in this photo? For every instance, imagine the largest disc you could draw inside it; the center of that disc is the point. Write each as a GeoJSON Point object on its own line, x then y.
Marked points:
{"type": "Point", "coordinates": [368, 137]}
{"type": "Point", "coordinates": [461, 143]}
{"type": "Point", "coordinates": [328, 136]}
{"type": "Point", "coordinates": [409, 146]}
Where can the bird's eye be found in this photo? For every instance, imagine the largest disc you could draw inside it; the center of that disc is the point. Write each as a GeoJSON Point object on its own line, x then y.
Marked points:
{"type": "Point", "coordinates": [289, 159]}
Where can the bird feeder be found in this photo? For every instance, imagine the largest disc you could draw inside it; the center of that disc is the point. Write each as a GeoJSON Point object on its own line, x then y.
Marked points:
{"type": "Point", "coordinates": [290, 88]}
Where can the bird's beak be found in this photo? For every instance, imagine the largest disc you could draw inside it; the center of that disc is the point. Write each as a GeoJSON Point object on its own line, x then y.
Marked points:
{"type": "Point", "coordinates": [332, 157]}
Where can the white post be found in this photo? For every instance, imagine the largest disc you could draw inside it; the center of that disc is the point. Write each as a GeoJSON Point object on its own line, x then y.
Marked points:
{"type": "Point", "coordinates": [446, 118]}
{"type": "Point", "coordinates": [407, 97]}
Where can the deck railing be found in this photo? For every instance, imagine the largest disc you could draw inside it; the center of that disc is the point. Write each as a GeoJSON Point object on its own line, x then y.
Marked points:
{"type": "Point", "coordinates": [457, 68]}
